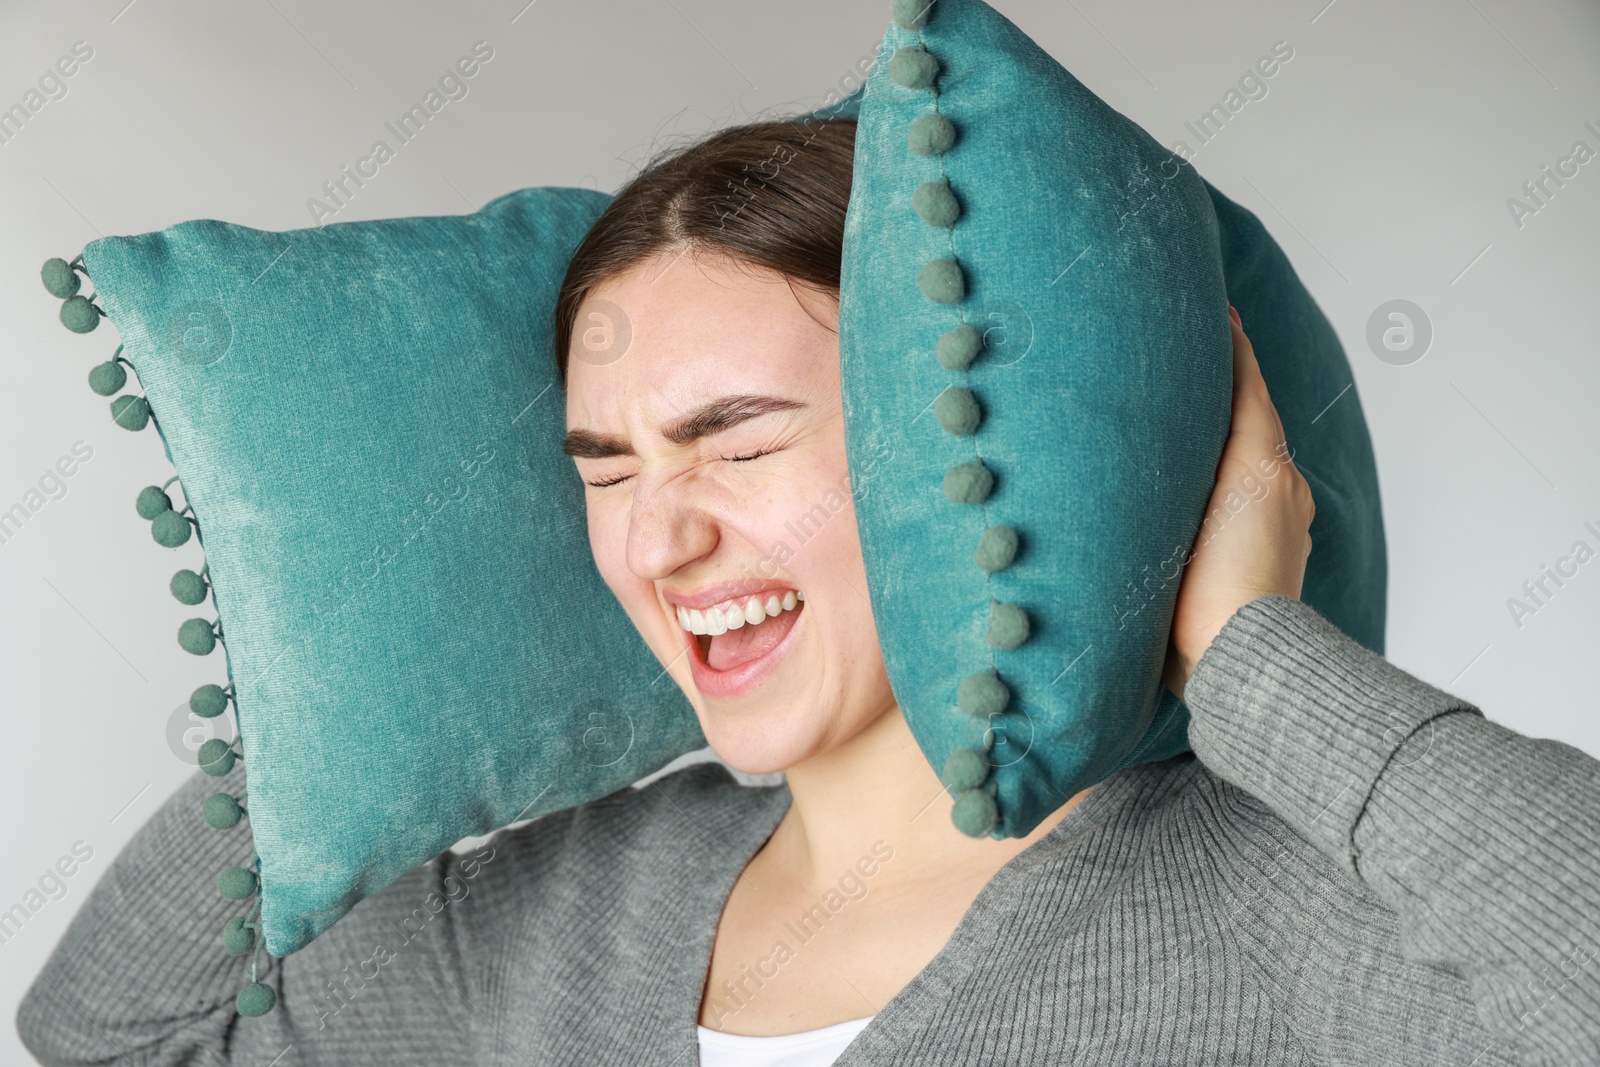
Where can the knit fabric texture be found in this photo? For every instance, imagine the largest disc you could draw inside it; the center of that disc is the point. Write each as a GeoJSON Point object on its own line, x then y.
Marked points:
{"type": "Point", "coordinates": [1351, 867]}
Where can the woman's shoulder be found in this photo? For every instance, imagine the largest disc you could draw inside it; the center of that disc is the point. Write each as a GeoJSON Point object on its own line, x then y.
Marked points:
{"type": "Point", "coordinates": [1213, 882]}
{"type": "Point", "coordinates": [1227, 848]}
{"type": "Point", "coordinates": [690, 812]}
{"type": "Point", "coordinates": [1172, 848]}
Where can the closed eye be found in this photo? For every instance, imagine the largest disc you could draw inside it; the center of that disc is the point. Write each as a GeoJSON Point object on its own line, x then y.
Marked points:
{"type": "Point", "coordinates": [734, 459]}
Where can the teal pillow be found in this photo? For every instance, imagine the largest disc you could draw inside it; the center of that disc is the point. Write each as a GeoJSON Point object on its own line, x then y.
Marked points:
{"type": "Point", "coordinates": [1033, 322]}
{"type": "Point", "coordinates": [366, 427]}
{"type": "Point", "coordinates": [362, 421]}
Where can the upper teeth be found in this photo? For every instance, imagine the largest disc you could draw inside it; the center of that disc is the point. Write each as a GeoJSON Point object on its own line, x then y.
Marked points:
{"type": "Point", "coordinates": [732, 614]}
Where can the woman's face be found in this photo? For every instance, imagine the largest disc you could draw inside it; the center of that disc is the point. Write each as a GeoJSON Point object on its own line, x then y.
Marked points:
{"type": "Point", "coordinates": [721, 429]}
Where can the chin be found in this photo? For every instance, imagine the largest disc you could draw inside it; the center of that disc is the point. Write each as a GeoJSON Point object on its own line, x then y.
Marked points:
{"type": "Point", "coordinates": [763, 743]}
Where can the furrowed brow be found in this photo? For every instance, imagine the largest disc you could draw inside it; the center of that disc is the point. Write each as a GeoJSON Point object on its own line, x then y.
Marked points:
{"type": "Point", "coordinates": [586, 444]}
{"type": "Point", "coordinates": [709, 418]}
{"type": "Point", "coordinates": [720, 414]}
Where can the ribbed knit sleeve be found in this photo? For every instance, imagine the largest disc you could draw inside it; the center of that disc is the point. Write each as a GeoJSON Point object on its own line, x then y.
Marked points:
{"type": "Point", "coordinates": [1486, 843]}
{"type": "Point", "coordinates": [141, 975]}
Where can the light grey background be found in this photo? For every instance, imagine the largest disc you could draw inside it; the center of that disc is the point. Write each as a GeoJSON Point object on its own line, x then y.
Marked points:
{"type": "Point", "coordinates": [1382, 157]}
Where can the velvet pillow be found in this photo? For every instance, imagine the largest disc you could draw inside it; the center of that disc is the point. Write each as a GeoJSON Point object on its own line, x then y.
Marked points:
{"type": "Point", "coordinates": [1033, 323]}
{"type": "Point", "coordinates": [366, 429]}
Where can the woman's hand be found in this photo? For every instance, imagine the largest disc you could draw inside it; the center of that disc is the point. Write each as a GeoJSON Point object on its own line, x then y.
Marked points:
{"type": "Point", "coordinates": [1257, 530]}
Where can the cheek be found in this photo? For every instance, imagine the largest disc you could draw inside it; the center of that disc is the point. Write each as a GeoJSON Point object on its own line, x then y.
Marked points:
{"type": "Point", "coordinates": [846, 574]}
{"type": "Point", "coordinates": [838, 543]}
{"type": "Point", "coordinates": [824, 545]}
{"type": "Point", "coordinates": [608, 543]}
{"type": "Point", "coordinates": [609, 529]}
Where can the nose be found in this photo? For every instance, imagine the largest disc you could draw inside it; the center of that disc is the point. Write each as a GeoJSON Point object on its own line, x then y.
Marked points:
{"type": "Point", "coordinates": [669, 524]}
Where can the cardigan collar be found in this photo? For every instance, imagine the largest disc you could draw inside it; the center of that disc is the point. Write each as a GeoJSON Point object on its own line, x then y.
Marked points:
{"type": "Point", "coordinates": [737, 831]}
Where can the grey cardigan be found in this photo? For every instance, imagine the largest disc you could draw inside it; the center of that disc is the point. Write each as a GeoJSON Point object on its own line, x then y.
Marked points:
{"type": "Point", "coordinates": [1358, 868]}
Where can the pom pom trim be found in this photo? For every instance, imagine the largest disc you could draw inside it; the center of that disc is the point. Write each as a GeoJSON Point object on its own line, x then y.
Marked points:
{"type": "Point", "coordinates": [982, 694]}
{"type": "Point", "coordinates": [173, 527]}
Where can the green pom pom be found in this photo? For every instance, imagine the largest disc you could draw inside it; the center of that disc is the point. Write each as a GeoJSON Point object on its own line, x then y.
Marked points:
{"type": "Point", "coordinates": [957, 410]}
{"type": "Point", "coordinates": [968, 483]}
{"type": "Point", "coordinates": [106, 378]}
{"type": "Point", "coordinates": [188, 587]}
{"type": "Point", "coordinates": [255, 999]}
{"type": "Point", "coordinates": [931, 135]}
{"type": "Point", "coordinates": [196, 636]}
{"type": "Point", "coordinates": [996, 548]}
{"type": "Point", "coordinates": [975, 813]}
{"type": "Point", "coordinates": [152, 501]}
{"type": "Point", "coordinates": [170, 529]}
{"type": "Point", "coordinates": [216, 757]}
{"type": "Point", "coordinates": [980, 695]}
{"type": "Point", "coordinates": [959, 347]}
{"type": "Point", "coordinates": [911, 14]}
{"type": "Point", "coordinates": [208, 701]}
{"type": "Point", "coordinates": [913, 67]}
{"type": "Point", "coordinates": [222, 810]}
{"type": "Point", "coordinates": [78, 315]}
{"type": "Point", "coordinates": [936, 204]}
{"type": "Point", "coordinates": [236, 883]}
{"type": "Point", "coordinates": [60, 278]}
{"type": "Point", "coordinates": [965, 769]}
{"type": "Point", "coordinates": [941, 281]}
{"type": "Point", "coordinates": [130, 412]}
{"type": "Point", "coordinates": [237, 938]}
{"type": "Point", "coordinates": [1008, 625]}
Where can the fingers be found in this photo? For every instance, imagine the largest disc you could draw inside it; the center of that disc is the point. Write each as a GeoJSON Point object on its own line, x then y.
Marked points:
{"type": "Point", "coordinates": [1257, 436]}
{"type": "Point", "coordinates": [1254, 416]}
{"type": "Point", "coordinates": [1246, 371]}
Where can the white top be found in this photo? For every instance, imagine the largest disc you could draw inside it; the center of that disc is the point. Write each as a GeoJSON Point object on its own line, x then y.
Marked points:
{"type": "Point", "coordinates": [809, 1048]}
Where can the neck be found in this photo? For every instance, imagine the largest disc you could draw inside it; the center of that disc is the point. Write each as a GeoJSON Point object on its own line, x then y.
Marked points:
{"type": "Point", "coordinates": [878, 788]}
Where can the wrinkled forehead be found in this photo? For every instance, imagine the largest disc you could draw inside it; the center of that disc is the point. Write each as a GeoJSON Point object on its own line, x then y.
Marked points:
{"type": "Point", "coordinates": [653, 342]}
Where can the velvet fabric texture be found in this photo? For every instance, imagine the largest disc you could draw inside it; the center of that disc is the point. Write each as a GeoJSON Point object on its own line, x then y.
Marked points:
{"type": "Point", "coordinates": [1034, 326]}
{"type": "Point", "coordinates": [367, 426]}
{"type": "Point", "coordinates": [1036, 365]}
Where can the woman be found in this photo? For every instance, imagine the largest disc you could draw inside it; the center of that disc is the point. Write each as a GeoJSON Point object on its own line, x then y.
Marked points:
{"type": "Point", "coordinates": [1352, 866]}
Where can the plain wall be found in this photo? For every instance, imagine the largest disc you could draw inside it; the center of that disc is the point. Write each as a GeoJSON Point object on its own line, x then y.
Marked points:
{"type": "Point", "coordinates": [1382, 157]}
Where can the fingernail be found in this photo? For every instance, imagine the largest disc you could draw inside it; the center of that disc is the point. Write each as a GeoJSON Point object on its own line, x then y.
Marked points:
{"type": "Point", "coordinates": [1233, 314]}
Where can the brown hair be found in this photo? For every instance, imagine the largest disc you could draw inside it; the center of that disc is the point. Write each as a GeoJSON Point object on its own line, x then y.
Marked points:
{"type": "Point", "coordinates": [767, 194]}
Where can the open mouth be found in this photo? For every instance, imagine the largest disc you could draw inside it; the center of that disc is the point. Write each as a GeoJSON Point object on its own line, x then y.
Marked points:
{"type": "Point", "coordinates": [741, 632]}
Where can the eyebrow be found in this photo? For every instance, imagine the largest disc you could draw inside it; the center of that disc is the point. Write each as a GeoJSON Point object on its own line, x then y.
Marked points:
{"type": "Point", "coordinates": [712, 417]}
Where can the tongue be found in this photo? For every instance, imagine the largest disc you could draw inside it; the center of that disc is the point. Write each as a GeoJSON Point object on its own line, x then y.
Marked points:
{"type": "Point", "coordinates": [748, 642]}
